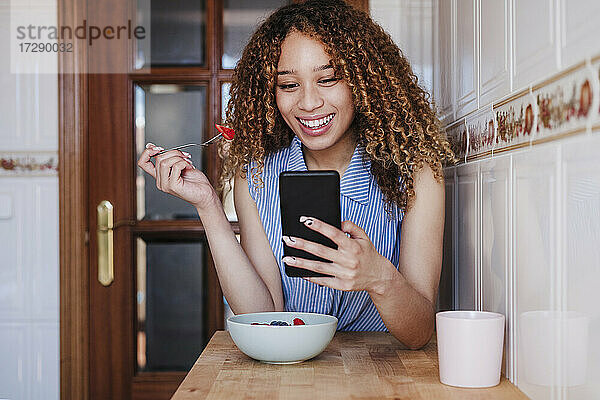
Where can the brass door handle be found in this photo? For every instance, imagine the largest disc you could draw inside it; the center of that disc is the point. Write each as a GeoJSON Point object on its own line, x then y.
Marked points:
{"type": "Point", "coordinates": [106, 269]}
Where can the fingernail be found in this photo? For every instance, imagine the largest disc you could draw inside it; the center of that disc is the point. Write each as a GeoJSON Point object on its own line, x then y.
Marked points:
{"type": "Point", "coordinates": [306, 220]}
{"type": "Point", "coordinates": [190, 162]}
{"type": "Point", "coordinates": [289, 239]}
{"type": "Point", "coordinates": [150, 145]}
{"type": "Point", "coordinates": [158, 148]}
{"type": "Point", "coordinates": [288, 259]}
{"type": "Point", "coordinates": [186, 154]}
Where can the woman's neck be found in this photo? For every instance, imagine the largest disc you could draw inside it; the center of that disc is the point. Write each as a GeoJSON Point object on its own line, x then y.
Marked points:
{"type": "Point", "coordinates": [336, 157]}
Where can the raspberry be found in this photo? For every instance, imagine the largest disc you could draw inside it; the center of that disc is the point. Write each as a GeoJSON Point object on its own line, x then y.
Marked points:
{"type": "Point", "coordinates": [298, 321]}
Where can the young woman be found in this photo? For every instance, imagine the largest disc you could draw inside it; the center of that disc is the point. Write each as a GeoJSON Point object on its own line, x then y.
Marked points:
{"type": "Point", "coordinates": [321, 86]}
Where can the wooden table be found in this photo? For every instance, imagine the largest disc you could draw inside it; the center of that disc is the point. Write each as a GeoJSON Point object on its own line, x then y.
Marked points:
{"type": "Point", "coordinates": [365, 365]}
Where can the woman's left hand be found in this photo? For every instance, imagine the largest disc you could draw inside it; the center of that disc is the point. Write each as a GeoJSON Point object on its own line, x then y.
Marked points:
{"type": "Point", "coordinates": [355, 265]}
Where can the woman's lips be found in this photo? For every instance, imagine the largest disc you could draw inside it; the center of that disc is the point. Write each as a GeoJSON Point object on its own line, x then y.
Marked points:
{"type": "Point", "coordinates": [316, 131]}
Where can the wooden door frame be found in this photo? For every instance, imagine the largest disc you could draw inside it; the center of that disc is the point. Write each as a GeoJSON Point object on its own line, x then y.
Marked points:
{"type": "Point", "coordinates": [73, 228]}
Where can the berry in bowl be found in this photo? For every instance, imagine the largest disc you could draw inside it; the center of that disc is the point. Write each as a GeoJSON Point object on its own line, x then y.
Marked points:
{"type": "Point", "coordinates": [282, 337]}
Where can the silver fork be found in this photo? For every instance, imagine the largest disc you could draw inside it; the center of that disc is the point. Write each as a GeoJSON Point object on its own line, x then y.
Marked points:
{"type": "Point", "coordinates": [183, 146]}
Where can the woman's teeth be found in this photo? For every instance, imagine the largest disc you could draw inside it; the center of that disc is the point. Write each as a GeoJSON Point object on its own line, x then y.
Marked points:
{"type": "Point", "coordinates": [316, 123]}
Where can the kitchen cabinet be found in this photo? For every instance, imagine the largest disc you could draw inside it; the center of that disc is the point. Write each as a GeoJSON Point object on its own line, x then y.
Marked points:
{"type": "Point", "coordinates": [534, 41]}
{"type": "Point", "coordinates": [579, 327]}
{"type": "Point", "coordinates": [29, 333]}
{"type": "Point", "coordinates": [14, 340]}
{"type": "Point", "coordinates": [535, 265]}
{"type": "Point", "coordinates": [45, 346]}
{"type": "Point", "coordinates": [579, 30]}
{"type": "Point", "coordinates": [494, 28]}
{"type": "Point", "coordinates": [13, 225]}
{"type": "Point", "coordinates": [467, 239]}
{"type": "Point", "coordinates": [495, 238]}
{"type": "Point", "coordinates": [29, 122]}
{"type": "Point", "coordinates": [466, 62]}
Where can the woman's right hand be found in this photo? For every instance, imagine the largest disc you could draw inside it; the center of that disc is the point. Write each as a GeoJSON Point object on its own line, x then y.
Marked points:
{"type": "Point", "coordinates": [175, 174]}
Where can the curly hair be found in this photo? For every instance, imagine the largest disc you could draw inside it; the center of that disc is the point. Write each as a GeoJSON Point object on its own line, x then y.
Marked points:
{"type": "Point", "coordinates": [394, 119]}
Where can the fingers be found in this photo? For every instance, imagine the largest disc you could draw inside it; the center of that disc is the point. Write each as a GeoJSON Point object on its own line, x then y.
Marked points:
{"type": "Point", "coordinates": [333, 283]}
{"type": "Point", "coordinates": [355, 231]}
{"type": "Point", "coordinates": [164, 164]}
{"type": "Point", "coordinates": [333, 233]}
{"type": "Point", "coordinates": [144, 160]}
{"type": "Point", "coordinates": [175, 178]}
{"type": "Point", "coordinates": [311, 247]}
{"type": "Point", "coordinates": [311, 265]}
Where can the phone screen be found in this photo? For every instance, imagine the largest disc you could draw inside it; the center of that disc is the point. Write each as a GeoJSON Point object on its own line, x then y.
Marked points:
{"type": "Point", "coordinates": [311, 194]}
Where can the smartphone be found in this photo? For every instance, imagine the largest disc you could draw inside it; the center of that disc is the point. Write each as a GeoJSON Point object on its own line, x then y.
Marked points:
{"type": "Point", "coordinates": [312, 194]}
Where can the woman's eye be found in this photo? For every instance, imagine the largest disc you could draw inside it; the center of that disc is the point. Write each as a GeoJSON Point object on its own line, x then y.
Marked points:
{"type": "Point", "coordinates": [329, 80]}
{"type": "Point", "coordinates": [287, 86]}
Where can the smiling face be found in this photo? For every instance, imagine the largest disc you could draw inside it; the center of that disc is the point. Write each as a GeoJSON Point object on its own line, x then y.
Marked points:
{"type": "Point", "coordinates": [315, 103]}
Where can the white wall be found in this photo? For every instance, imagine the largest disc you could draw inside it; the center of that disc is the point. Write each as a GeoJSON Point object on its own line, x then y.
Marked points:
{"type": "Point", "coordinates": [525, 206]}
{"type": "Point", "coordinates": [29, 331]}
{"type": "Point", "coordinates": [410, 24]}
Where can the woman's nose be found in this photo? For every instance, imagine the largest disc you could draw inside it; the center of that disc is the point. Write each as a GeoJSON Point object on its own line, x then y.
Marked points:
{"type": "Point", "coordinates": [310, 99]}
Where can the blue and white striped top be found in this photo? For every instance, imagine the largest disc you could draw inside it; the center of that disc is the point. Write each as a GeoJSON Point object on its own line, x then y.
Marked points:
{"type": "Point", "coordinates": [362, 203]}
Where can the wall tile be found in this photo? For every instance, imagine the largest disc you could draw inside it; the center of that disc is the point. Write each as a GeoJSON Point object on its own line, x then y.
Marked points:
{"type": "Point", "coordinates": [580, 325]}
{"type": "Point", "coordinates": [467, 240]}
{"type": "Point", "coordinates": [580, 31]}
{"type": "Point", "coordinates": [446, 288]}
{"type": "Point", "coordinates": [495, 239]}
{"type": "Point", "coordinates": [535, 265]}
{"type": "Point", "coordinates": [466, 57]}
{"type": "Point", "coordinates": [534, 41]}
{"type": "Point", "coordinates": [494, 67]}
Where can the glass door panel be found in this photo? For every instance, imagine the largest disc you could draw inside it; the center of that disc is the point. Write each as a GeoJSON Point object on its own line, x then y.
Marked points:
{"type": "Point", "coordinates": [177, 33]}
{"type": "Point", "coordinates": [228, 204]}
{"type": "Point", "coordinates": [170, 304]}
{"type": "Point", "coordinates": [240, 19]}
{"type": "Point", "coordinates": [167, 115]}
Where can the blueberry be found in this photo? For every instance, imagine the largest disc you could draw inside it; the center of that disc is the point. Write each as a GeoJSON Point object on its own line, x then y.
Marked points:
{"type": "Point", "coordinates": [279, 323]}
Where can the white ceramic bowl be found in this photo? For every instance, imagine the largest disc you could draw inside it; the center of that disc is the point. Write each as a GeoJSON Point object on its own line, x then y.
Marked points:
{"type": "Point", "coordinates": [282, 344]}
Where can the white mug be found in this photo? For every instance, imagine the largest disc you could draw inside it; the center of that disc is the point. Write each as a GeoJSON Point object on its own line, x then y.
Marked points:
{"type": "Point", "coordinates": [470, 345]}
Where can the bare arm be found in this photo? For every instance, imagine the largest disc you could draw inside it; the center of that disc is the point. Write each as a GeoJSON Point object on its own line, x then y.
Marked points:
{"type": "Point", "coordinates": [406, 299]}
{"type": "Point", "coordinates": [255, 243]}
{"type": "Point", "coordinates": [242, 285]}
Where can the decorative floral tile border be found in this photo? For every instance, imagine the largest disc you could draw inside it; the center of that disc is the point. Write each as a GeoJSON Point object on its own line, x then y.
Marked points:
{"type": "Point", "coordinates": [481, 133]}
{"type": "Point", "coordinates": [458, 138]}
{"type": "Point", "coordinates": [563, 105]}
{"type": "Point", "coordinates": [24, 164]}
{"type": "Point", "coordinates": [595, 113]}
{"type": "Point", "coordinates": [515, 123]}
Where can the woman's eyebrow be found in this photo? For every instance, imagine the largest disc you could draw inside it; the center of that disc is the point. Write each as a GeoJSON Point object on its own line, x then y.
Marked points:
{"type": "Point", "coordinates": [315, 69]}
{"type": "Point", "coordinates": [322, 67]}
